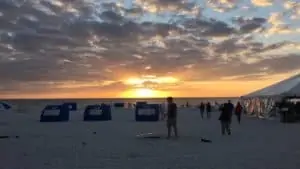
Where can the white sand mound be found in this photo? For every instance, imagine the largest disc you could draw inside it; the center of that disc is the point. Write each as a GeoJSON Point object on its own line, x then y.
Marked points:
{"type": "Point", "coordinates": [113, 144]}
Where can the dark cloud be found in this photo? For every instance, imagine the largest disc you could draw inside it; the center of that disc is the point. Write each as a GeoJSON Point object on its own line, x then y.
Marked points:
{"type": "Point", "coordinates": [262, 68]}
{"type": "Point", "coordinates": [44, 43]}
{"type": "Point", "coordinates": [208, 27]}
{"type": "Point", "coordinates": [110, 16]}
{"type": "Point", "coordinates": [247, 25]}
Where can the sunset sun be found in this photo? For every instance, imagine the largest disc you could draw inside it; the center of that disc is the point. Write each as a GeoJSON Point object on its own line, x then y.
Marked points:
{"type": "Point", "coordinates": [148, 86]}
{"type": "Point", "coordinates": [144, 92]}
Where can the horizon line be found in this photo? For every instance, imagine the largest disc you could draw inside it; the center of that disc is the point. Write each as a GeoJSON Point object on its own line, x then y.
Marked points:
{"type": "Point", "coordinates": [116, 98]}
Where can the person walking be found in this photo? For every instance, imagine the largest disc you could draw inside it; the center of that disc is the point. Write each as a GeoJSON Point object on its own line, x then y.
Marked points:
{"type": "Point", "coordinates": [230, 109]}
{"type": "Point", "coordinates": [238, 112]}
{"type": "Point", "coordinates": [225, 117]}
{"type": "Point", "coordinates": [172, 117]}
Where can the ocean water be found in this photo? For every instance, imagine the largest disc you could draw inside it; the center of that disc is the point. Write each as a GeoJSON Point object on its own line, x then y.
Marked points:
{"type": "Point", "coordinates": [179, 101]}
{"type": "Point", "coordinates": [35, 105]}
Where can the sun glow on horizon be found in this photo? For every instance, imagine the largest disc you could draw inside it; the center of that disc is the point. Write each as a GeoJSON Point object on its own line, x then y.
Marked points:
{"type": "Point", "coordinates": [147, 86]}
{"type": "Point", "coordinates": [143, 93]}
{"type": "Point", "coordinates": [229, 87]}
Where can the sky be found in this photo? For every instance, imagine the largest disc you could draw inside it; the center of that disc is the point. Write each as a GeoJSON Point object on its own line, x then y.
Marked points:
{"type": "Point", "coordinates": [146, 48]}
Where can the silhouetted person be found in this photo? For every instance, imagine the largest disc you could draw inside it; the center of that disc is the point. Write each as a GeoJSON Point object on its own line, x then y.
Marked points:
{"type": "Point", "coordinates": [172, 117]}
{"type": "Point", "coordinates": [202, 108]}
{"type": "Point", "coordinates": [230, 108]}
{"type": "Point", "coordinates": [297, 107]}
{"type": "Point", "coordinates": [208, 109]}
{"type": "Point", "coordinates": [129, 105]}
{"type": "Point", "coordinates": [187, 104]}
{"type": "Point", "coordinates": [238, 112]}
{"type": "Point", "coordinates": [225, 117]}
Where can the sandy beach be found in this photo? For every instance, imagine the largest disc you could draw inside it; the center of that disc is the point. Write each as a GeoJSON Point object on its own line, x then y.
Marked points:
{"type": "Point", "coordinates": [114, 145]}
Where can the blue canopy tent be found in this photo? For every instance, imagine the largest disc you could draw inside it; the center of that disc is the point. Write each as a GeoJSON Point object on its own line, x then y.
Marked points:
{"type": "Point", "coordinates": [4, 106]}
{"type": "Point", "coordinates": [55, 113]}
{"type": "Point", "coordinates": [97, 113]}
{"type": "Point", "coordinates": [147, 112]}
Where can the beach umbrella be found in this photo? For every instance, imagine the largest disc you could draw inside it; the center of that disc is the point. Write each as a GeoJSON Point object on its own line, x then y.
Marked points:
{"type": "Point", "coordinates": [4, 106]}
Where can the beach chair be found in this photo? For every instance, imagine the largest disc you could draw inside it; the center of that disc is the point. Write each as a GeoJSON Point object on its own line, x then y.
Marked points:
{"type": "Point", "coordinates": [147, 112]}
{"type": "Point", "coordinates": [97, 113]}
{"type": "Point", "coordinates": [54, 113]}
{"type": "Point", "coordinates": [119, 105]}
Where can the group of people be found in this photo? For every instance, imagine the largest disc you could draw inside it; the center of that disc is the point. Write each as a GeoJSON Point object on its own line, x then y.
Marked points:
{"type": "Point", "coordinates": [205, 107]}
{"type": "Point", "coordinates": [226, 109]}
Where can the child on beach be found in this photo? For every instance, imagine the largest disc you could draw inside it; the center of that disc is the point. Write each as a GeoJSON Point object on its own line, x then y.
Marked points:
{"type": "Point", "coordinates": [238, 112]}
{"type": "Point", "coordinates": [171, 117]}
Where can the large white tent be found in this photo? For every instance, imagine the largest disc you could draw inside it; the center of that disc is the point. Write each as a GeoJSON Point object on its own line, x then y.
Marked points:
{"type": "Point", "coordinates": [261, 103]}
{"type": "Point", "coordinates": [287, 87]}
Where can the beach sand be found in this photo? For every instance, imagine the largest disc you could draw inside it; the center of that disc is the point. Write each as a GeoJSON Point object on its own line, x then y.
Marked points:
{"type": "Point", "coordinates": [255, 144]}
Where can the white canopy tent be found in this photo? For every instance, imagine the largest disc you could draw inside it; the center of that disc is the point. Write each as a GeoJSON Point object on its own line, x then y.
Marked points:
{"type": "Point", "coordinates": [261, 103]}
{"type": "Point", "coordinates": [287, 87]}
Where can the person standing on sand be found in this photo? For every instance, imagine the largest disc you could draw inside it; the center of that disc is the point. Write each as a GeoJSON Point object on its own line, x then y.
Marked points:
{"type": "Point", "coordinates": [187, 104]}
{"type": "Point", "coordinates": [238, 112]}
{"type": "Point", "coordinates": [208, 109]}
{"type": "Point", "coordinates": [202, 109]}
{"type": "Point", "coordinates": [172, 117]}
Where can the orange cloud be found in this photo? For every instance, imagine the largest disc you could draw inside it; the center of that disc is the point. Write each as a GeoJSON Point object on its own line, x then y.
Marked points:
{"type": "Point", "coordinates": [221, 88]}
{"type": "Point", "coordinates": [262, 2]}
